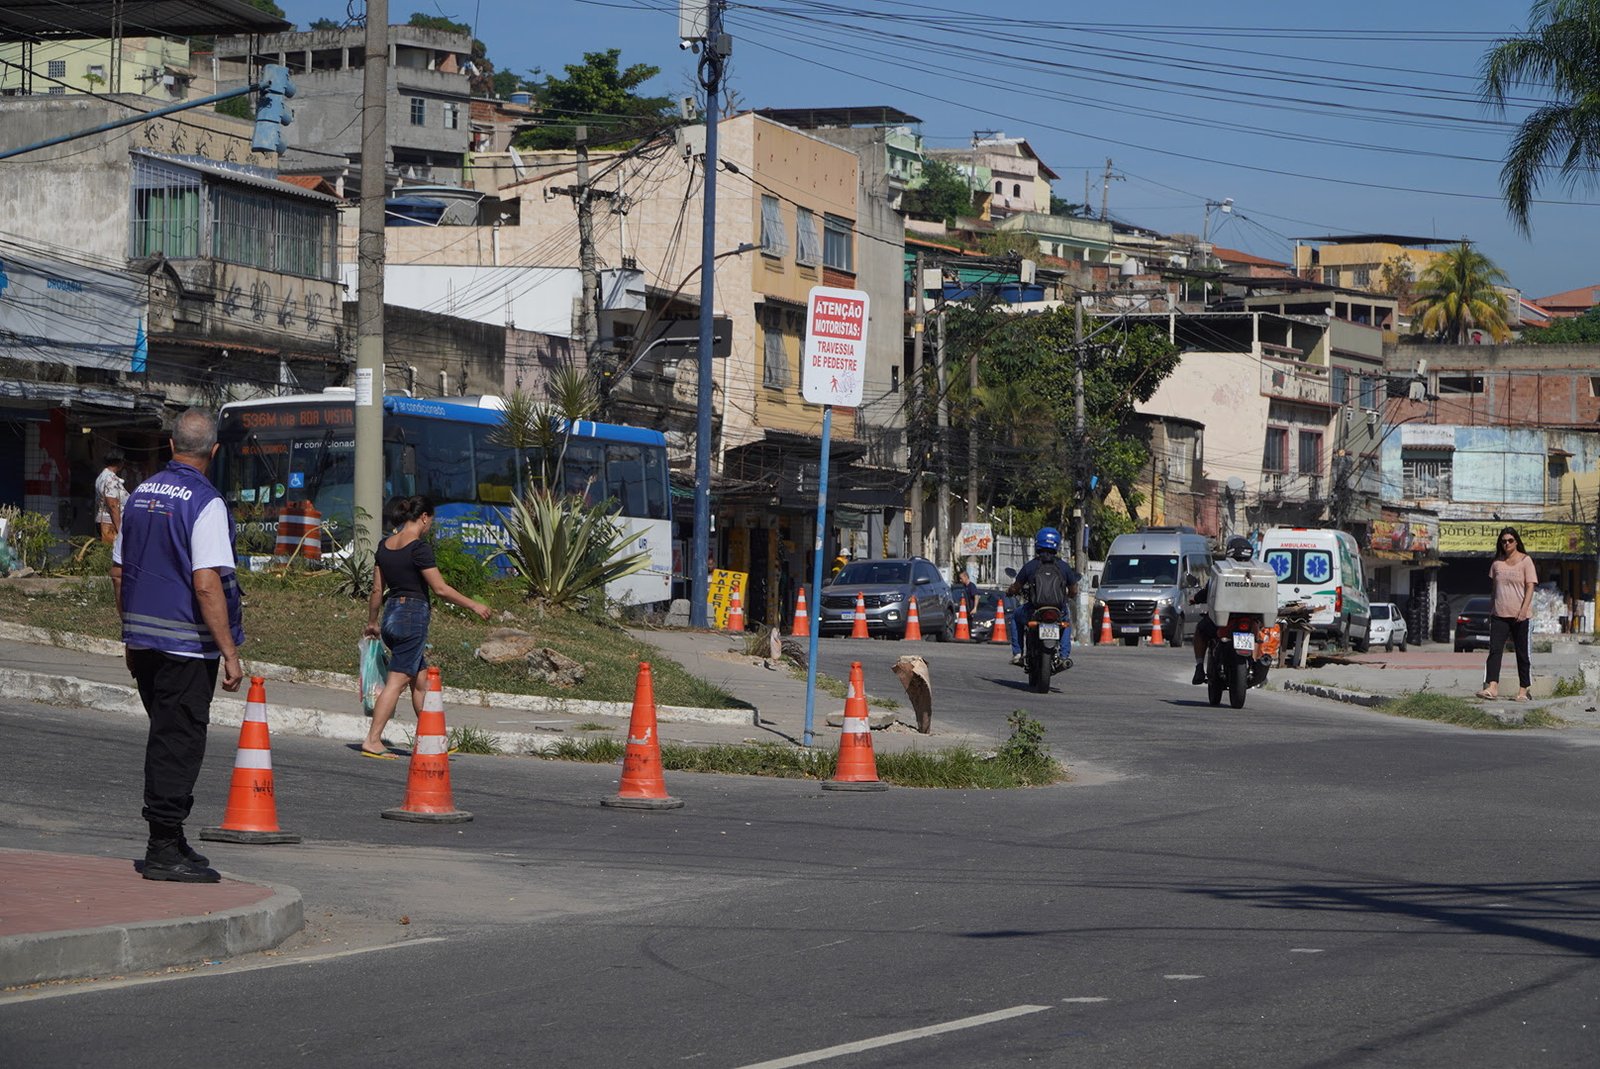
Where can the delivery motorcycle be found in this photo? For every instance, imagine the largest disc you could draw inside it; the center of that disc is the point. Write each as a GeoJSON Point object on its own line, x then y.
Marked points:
{"type": "Point", "coordinates": [1244, 606]}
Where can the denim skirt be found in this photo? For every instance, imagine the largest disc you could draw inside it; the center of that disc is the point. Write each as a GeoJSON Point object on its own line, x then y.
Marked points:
{"type": "Point", "coordinates": [405, 632]}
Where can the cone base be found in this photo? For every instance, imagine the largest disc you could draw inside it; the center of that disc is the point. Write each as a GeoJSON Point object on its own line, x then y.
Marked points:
{"type": "Point", "coordinates": [260, 838]}
{"type": "Point", "coordinates": [455, 816]}
{"type": "Point", "coordinates": [618, 802]}
{"type": "Point", "coordinates": [854, 785]}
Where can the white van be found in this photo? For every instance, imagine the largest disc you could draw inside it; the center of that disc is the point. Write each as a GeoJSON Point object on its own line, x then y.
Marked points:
{"type": "Point", "coordinates": [1322, 567]}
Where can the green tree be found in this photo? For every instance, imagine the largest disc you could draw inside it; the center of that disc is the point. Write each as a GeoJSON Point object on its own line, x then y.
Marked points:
{"type": "Point", "coordinates": [1457, 292]}
{"type": "Point", "coordinates": [1578, 330]}
{"type": "Point", "coordinates": [1068, 209]}
{"type": "Point", "coordinates": [504, 83]}
{"type": "Point", "coordinates": [1558, 57]}
{"type": "Point", "coordinates": [325, 24]}
{"type": "Point", "coordinates": [943, 195]}
{"type": "Point", "coordinates": [598, 93]}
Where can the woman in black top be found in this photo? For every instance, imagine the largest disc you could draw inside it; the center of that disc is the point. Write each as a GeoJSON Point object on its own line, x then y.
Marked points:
{"type": "Point", "coordinates": [403, 574]}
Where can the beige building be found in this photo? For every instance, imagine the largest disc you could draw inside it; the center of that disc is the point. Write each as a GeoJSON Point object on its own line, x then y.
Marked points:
{"type": "Point", "coordinates": [152, 67]}
{"type": "Point", "coordinates": [1018, 180]}
{"type": "Point", "coordinates": [1356, 261]}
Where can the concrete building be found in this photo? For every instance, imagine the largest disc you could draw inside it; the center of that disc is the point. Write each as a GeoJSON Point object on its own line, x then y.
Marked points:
{"type": "Point", "coordinates": [143, 270]}
{"type": "Point", "coordinates": [1018, 180]}
{"type": "Point", "coordinates": [156, 68]}
{"type": "Point", "coordinates": [1356, 261]}
{"type": "Point", "coordinates": [429, 123]}
{"type": "Point", "coordinates": [1482, 436]}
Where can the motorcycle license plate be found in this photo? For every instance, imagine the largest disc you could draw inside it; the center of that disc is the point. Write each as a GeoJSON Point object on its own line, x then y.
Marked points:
{"type": "Point", "coordinates": [1050, 632]}
{"type": "Point", "coordinates": [1130, 629]}
{"type": "Point", "coordinates": [1244, 642]}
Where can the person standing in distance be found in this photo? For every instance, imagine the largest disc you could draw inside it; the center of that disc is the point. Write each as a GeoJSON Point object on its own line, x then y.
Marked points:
{"type": "Point", "coordinates": [172, 570]}
{"type": "Point", "coordinates": [1513, 577]}
{"type": "Point", "coordinates": [110, 494]}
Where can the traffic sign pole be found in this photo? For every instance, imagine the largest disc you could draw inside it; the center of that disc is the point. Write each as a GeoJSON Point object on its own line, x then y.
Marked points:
{"type": "Point", "coordinates": [816, 570]}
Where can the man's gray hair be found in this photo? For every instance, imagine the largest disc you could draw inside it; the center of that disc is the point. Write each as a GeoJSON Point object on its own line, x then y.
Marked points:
{"type": "Point", "coordinates": [194, 433]}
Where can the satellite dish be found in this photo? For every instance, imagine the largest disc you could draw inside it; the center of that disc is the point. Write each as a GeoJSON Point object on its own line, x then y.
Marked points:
{"type": "Point", "coordinates": [1235, 484]}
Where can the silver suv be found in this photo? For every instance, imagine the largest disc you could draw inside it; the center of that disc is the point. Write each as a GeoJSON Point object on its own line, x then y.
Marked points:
{"type": "Point", "coordinates": [887, 587]}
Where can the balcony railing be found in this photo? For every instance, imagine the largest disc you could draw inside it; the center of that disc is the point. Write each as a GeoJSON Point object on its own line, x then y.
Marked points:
{"type": "Point", "coordinates": [1295, 382]}
{"type": "Point", "coordinates": [1293, 487]}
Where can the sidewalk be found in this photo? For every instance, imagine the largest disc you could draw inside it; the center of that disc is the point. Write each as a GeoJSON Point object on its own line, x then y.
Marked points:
{"type": "Point", "coordinates": [67, 916]}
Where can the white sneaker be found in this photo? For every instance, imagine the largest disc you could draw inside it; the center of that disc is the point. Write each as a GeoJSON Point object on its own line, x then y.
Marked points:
{"type": "Point", "coordinates": [1016, 659]}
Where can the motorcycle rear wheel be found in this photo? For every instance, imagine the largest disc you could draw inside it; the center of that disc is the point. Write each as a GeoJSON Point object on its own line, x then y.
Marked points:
{"type": "Point", "coordinates": [1039, 673]}
{"type": "Point", "coordinates": [1238, 683]}
{"type": "Point", "coordinates": [1214, 683]}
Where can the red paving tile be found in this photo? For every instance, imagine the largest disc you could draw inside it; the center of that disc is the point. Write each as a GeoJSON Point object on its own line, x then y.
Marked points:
{"type": "Point", "coordinates": [42, 892]}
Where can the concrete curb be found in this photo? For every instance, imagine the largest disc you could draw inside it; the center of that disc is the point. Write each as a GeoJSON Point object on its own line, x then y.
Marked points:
{"type": "Point", "coordinates": [482, 699]}
{"type": "Point", "coordinates": [1352, 697]}
{"type": "Point", "coordinates": [119, 949]}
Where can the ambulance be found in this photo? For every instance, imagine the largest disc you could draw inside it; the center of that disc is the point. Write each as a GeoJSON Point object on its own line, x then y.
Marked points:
{"type": "Point", "coordinates": [1322, 568]}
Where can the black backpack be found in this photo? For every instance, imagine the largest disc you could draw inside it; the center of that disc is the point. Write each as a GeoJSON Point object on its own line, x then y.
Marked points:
{"type": "Point", "coordinates": [1048, 584]}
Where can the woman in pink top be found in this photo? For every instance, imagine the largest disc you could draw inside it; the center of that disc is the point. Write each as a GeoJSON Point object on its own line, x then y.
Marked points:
{"type": "Point", "coordinates": [1513, 577]}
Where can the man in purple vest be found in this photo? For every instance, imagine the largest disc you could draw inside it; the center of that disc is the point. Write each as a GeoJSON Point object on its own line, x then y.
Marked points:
{"type": "Point", "coordinates": [173, 572]}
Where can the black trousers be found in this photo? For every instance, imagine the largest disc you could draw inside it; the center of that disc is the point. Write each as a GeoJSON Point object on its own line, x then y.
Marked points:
{"type": "Point", "coordinates": [1501, 628]}
{"type": "Point", "coordinates": [176, 692]}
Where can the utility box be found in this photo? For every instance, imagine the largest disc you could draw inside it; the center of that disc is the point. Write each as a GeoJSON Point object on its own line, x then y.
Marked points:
{"type": "Point", "coordinates": [1237, 587]}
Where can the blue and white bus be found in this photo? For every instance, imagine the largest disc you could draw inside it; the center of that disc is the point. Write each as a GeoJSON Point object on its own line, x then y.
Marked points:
{"type": "Point", "coordinates": [302, 448]}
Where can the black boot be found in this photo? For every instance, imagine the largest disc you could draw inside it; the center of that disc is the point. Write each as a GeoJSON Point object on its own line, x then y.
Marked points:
{"type": "Point", "coordinates": [190, 854]}
{"type": "Point", "coordinates": [1199, 673]}
{"type": "Point", "coordinates": [165, 859]}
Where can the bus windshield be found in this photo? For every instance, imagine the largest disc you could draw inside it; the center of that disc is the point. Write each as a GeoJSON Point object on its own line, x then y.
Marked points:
{"type": "Point", "coordinates": [1154, 570]}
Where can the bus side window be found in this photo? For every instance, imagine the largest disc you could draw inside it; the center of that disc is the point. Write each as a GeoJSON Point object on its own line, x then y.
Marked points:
{"type": "Point", "coordinates": [497, 469]}
{"type": "Point", "coordinates": [444, 463]}
{"type": "Point", "coordinates": [655, 484]}
{"type": "Point", "coordinates": [582, 474]}
{"type": "Point", "coordinates": [625, 480]}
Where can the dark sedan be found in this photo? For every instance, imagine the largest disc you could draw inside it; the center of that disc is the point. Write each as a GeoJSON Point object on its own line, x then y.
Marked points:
{"type": "Point", "coordinates": [980, 621]}
{"type": "Point", "coordinates": [1472, 625]}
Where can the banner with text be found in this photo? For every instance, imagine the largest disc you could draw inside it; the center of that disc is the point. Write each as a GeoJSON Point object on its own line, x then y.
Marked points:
{"type": "Point", "coordinates": [833, 364]}
{"type": "Point", "coordinates": [1477, 537]}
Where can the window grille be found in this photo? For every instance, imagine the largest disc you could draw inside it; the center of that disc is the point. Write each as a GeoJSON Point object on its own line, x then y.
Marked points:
{"type": "Point", "coordinates": [166, 211]}
{"type": "Point", "coordinates": [56, 68]}
{"type": "Point", "coordinates": [1426, 478]}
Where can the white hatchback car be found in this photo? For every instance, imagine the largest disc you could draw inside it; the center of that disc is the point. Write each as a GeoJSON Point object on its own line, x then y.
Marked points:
{"type": "Point", "coordinates": [1388, 626]}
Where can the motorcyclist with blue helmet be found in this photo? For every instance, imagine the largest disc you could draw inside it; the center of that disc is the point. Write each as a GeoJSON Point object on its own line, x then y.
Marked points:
{"type": "Point", "coordinates": [1046, 547]}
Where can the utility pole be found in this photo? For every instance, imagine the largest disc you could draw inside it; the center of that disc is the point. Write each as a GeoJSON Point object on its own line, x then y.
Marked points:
{"type": "Point", "coordinates": [1105, 190]}
{"type": "Point", "coordinates": [368, 487]}
{"type": "Point", "coordinates": [583, 196]}
{"type": "Point", "coordinates": [1080, 549]}
{"type": "Point", "coordinates": [972, 435]}
{"type": "Point", "coordinates": [919, 324]}
{"type": "Point", "coordinates": [714, 51]}
{"type": "Point", "coordinates": [943, 422]}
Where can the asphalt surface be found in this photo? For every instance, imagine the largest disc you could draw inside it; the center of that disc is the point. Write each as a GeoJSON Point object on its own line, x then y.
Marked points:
{"type": "Point", "coordinates": [1293, 884]}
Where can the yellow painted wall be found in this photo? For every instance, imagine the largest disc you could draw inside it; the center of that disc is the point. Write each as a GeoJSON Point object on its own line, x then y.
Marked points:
{"type": "Point", "coordinates": [1372, 255]}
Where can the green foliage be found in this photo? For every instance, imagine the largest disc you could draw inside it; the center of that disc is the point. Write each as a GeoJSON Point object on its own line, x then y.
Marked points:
{"type": "Point", "coordinates": [29, 536]}
{"type": "Point", "coordinates": [325, 24]}
{"type": "Point", "coordinates": [504, 83]}
{"type": "Point", "coordinates": [89, 556]}
{"type": "Point", "coordinates": [1010, 243]}
{"type": "Point", "coordinates": [942, 195]}
{"type": "Point", "coordinates": [483, 81]}
{"type": "Point", "coordinates": [598, 93]}
{"type": "Point", "coordinates": [1578, 330]}
{"type": "Point", "coordinates": [1568, 687]}
{"type": "Point", "coordinates": [351, 564]}
{"type": "Point", "coordinates": [1069, 210]}
{"type": "Point", "coordinates": [238, 107]}
{"type": "Point", "coordinates": [1026, 741]}
{"type": "Point", "coordinates": [1458, 292]}
{"type": "Point", "coordinates": [1554, 62]}
{"type": "Point", "coordinates": [469, 738]}
{"type": "Point", "coordinates": [437, 22]}
{"type": "Point", "coordinates": [1449, 709]}
{"type": "Point", "coordinates": [566, 550]}
{"type": "Point", "coordinates": [461, 567]}
{"type": "Point", "coordinates": [528, 424]}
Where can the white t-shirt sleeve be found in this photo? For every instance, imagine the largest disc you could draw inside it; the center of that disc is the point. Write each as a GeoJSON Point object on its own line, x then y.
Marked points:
{"type": "Point", "coordinates": [209, 544]}
{"type": "Point", "coordinates": [116, 545]}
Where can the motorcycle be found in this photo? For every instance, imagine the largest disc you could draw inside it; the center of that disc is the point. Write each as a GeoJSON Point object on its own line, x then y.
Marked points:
{"type": "Point", "coordinates": [1240, 657]}
{"type": "Point", "coordinates": [1041, 644]}
{"type": "Point", "coordinates": [1244, 607]}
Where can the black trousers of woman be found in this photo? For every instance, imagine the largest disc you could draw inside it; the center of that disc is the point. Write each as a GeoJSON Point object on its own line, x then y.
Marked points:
{"type": "Point", "coordinates": [1501, 628]}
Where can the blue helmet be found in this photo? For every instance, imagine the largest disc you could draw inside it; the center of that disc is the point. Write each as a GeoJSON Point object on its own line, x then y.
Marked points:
{"type": "Point", "coordinates": [1047, 540]}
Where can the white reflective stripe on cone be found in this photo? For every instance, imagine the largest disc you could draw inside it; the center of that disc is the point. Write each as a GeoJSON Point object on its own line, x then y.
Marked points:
{"type": "Point", "coordinates": [430, 745]}
{"type": "Point", "coordinates": [432, 702]}
{"type": "Point", "coordinates": [855, 725]}
{"type": "Point", "coordinates": [256, 711]}
{"type": "Point", "coordinates": [253, 759]}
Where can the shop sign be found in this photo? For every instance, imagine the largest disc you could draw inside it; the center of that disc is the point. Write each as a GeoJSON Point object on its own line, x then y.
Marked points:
{"type": "Point", "coordinates": [723, 584]}
{"type": "Point", "coordinates": [1477, 537]}
{"type": "Point", "coordinates": [1401, 536]}
{"type": "Point", "coordinates": [975, 540]}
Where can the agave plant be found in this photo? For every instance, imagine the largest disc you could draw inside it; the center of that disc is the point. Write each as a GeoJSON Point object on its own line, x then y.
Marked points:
{"type": "Point", "coordinates": [565, 549]}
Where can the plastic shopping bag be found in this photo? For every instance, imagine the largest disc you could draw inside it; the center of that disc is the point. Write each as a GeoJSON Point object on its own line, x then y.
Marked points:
{"type": "Point", "coordinates": [374, 662]}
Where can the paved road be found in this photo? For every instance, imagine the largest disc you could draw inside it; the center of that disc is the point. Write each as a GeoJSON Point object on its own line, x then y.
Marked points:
{"type": "Point", "coordinates": [1293, 884]}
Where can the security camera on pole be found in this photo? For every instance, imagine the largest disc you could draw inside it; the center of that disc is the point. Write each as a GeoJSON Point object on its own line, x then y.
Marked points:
{"type": "Point", "coordinates": [833, 368]}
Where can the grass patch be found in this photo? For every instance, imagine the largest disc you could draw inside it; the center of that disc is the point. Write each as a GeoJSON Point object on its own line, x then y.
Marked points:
{"type": "Point", "coordinates": [299, 621]}
{"type": "Point", "coordinates": [469, 738]}
{"type": "Point", "coordinates": [838, 688]}
{"type": "Point", "coordinates": [1542, 645]}
{"type": "Point", "coordinates": [1449, 709]}
{"type": "Point", "coordinates": [590, 725]}
{"type": "Point", "coordinates": [1568, 687]}
{"type": "Point", "coordinates": [1022, 761]}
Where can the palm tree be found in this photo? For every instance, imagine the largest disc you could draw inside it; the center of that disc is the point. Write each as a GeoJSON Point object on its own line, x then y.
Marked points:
{"type": "Point", "coordinates": [1560, 55]}
{"type": "Point", "coordinates": [1457, 292]}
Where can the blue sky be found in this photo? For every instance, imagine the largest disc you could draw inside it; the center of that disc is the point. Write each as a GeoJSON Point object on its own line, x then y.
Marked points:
{"type": "Point", "coordinates": [1357, 117]}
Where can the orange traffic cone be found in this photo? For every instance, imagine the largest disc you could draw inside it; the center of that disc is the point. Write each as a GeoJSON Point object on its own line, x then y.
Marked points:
{"type": "Point", "coordinates": [642, 785]}
{"type": "Point", "coordinates": [428, 798]}
{"type": "Point", "coordinates": [1105, 624]}
{"type": "Point", "coordinates": [1156, 637]}
{"type": "Point", "coordinates": [999, 633]}
{"type": "Point", "coordinates": [252, 814]}
{"type": "Point", "coordinates": [859, 628]}
{"type": "Point", "coordinates": [963, 628]}
{"type": "Point", "coordinates": [802, 619]}
{"type": "Point", "coordinates": [735, 611]}
{"type": "Point", "coordinates": [913, 623]}
{"type": "Point", "coordinates": [856, 769]}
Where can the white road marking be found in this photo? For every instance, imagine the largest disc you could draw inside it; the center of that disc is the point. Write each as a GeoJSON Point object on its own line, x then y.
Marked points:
{"type": "Point", "coordinates": [1183, 976]}
{"type": "Point", "coordinates": [892, 1038]}
{"type": "Point", "coordinates": [1305, 950]}
{"type": "Point", "coordinates": [90, 987]}
{"type": "Point", "coordinates": [1086, 998]}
